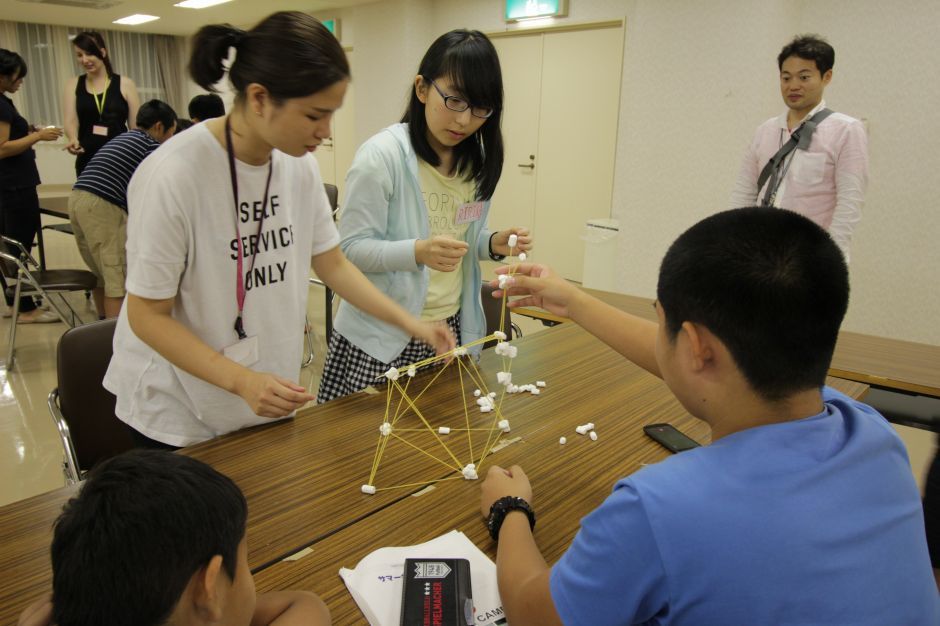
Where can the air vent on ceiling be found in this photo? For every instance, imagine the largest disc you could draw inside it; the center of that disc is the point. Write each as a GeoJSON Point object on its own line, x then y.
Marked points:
{"type": "Point", "coordinates": [79, 4]}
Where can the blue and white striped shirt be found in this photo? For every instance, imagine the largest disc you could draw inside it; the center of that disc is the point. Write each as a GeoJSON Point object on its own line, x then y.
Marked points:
{"type": "Point", "coordinates": [109, 171]}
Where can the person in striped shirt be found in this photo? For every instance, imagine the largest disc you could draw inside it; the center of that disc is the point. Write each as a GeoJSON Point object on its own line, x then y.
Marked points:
{"type": "Point", "coordinates": [98, 204]}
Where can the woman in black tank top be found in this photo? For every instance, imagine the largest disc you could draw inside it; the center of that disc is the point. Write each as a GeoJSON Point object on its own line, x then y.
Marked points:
{"type": "Point", "coordinates": [101, 105]}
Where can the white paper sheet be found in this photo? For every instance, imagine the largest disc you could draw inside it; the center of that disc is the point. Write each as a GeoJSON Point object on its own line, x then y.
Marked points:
{"type": "Point", "coordinates": [376, 582]}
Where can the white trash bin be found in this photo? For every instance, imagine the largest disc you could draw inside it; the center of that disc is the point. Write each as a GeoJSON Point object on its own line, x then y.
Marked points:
{"type": "Point", "coordinates": [601, 236]}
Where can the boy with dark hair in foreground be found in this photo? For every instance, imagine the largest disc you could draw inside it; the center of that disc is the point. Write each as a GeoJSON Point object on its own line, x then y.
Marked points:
{"type": "Point", "coordinates": [156, 538]}
{"type": "Point", "coordinates": [802, 510]}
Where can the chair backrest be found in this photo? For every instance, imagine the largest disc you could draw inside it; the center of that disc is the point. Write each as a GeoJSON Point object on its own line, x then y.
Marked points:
{"type": "Point", "coordinates": [492, 309]}
{"type": "Point", "coordinates": [332, 193]}
{"type": "Point", "coordinates": [87, 407]}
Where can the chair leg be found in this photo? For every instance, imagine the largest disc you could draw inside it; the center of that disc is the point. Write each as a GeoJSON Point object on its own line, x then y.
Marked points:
{"type": "Point", "coordinates": [13, 319]}
{"type": "Point", "coordinates": [308, 340]}
{"type": "Point", "coordinates": [70, 322]}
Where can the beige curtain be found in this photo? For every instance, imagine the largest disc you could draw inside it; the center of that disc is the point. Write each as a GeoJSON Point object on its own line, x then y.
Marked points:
{"type": "Point", "coordinates": [168, 54]}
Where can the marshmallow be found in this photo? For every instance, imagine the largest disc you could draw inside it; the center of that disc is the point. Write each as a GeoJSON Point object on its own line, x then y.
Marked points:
{"type": "Point", "coordinates": [581, 430]}
{"type": "Point", "coordinates": [470, 472]}
{"type": "Point", "coordinates": [563, 441]}
{"type": "Point", "coordinates": [534, 391]}
{"type": "Point", "coordinates": [412, 370]}
{"type": "Point", "coordinates": [502, 347]}
{"type": "Point", "coordinates": [369, 489]}
{"type": "Point", "coordinates": [385, 429]}
{"type": "Point", "coordinates": [444, 430]}
{"type": "Point", "coordinates": [540, 383]}
{"type": "Point", "coordinates": [499, 334]}
{"type": "Point", "coordinates": [503, 279]}
{"type": "Point", "coordinates": [460, 351]}
{"type": "Point", "coordinates": [491, 395]}
{"type": "Point", "coordinates": [593, 435]}
{"type": "Point", "coordinates": [477, 393]}
{"type": "Point", "coordinates": [512, 352]}
{"type": "Point", "coordinates": [513, 240]}
{"type": "Point", "coordinates": [504, 425]}
{"type": "Point", "coordinates": [589, 426]}
{"type": "Point", "coordinates": [486, 409]}
{"type": "Point", "coordinates": [503, 378]}
{"type": "Point", "coordinates": [392, 373]}
{"type": "Point", "coordinates": [522, 257]}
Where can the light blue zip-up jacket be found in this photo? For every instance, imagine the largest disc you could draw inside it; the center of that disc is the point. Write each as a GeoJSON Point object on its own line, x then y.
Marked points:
{"type": "Point", "coordinates": [383, 215]}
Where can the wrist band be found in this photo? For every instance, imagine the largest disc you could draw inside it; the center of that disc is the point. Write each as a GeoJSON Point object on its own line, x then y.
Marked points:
{"type": "Point", "coordinates": [494, 256]}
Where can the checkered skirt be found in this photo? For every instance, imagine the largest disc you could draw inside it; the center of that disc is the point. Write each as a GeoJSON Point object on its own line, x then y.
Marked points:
{"type": "Point", "coordinates": [348, 369]}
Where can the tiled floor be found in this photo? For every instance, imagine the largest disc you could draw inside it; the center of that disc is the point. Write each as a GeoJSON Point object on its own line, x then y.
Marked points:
{"type": "Point", "coordinates": [30, 451]}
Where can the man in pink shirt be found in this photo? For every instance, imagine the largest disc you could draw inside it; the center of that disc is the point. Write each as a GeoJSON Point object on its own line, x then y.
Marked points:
{"type": "Point", "coordinates": [823, 178]}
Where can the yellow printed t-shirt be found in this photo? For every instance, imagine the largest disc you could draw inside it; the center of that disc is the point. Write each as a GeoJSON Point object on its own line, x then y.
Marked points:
{"type": "Point", "coordinates": [443, 196]}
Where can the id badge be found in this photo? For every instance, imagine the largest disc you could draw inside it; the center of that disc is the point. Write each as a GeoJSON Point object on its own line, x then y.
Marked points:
{"type": "Point", "coordinates": [100, 130]}
{"type": "Point", "coordinates": [469, 212]}
{"type": "Point", "coordinates": [243, 352]}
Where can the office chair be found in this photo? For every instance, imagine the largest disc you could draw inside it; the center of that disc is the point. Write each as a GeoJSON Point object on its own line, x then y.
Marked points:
{"type": "Point", "coordinates": [31, 280]}
{"type": "Point", "coordinates": [82, 409]}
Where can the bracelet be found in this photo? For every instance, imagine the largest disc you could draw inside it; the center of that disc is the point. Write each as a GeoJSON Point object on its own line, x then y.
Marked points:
{"type": "Point", "coordinates": [501, 508]}
{"type": "Point", "coordinates": [494, 256]}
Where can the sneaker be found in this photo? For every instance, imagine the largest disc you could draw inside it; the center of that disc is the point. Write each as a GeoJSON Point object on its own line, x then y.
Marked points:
{"type": "Point", "coordinates": [45, 317]}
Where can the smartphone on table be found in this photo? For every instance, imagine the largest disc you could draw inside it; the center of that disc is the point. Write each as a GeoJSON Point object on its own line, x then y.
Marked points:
{"type": "Point", "coordinates": [670, 437]}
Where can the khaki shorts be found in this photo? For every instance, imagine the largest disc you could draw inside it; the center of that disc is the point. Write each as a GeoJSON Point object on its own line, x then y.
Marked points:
{"type": "Point", "coordinates": [101, 234]}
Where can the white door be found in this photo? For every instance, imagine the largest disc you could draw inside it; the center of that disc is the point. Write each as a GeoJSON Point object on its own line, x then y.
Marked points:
{"type": "Point", "coordinates": [562, 99]}
{"type": "Point", "coordinates": [580, 105]}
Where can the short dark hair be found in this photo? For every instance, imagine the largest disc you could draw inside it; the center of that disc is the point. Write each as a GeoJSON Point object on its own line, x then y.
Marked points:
{"type": "Point", "coordinates": [812, 48]}
{"type": "Point", "coordinates": [144, 522]}
{"type": "Point", "coordinates": [182, 124]}
{"type": "Point", "coordinates": [290, 53]}
{"type": "Point", "coordinates": [155, 111]}
{"type": "Point", "coordinates": [770, 284]}
{"type": "Point", "coordinates": [206, 106]}
{"type": "Point", "coordinates": [469, 60]}
{"type": "Point", "coordinates": [12, 64]}
{"type": "Point", "coordinates": [91, 42]}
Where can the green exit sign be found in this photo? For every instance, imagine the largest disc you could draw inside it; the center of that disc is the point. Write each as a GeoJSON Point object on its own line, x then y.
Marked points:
{"type": "Point", "coordinates": [332, 26]}
{"type": "Point", "coordinates": [528, 9]}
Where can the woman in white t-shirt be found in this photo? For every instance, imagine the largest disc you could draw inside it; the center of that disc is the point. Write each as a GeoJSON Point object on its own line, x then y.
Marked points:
{"type": "Point", "coordinates": [223, 223]}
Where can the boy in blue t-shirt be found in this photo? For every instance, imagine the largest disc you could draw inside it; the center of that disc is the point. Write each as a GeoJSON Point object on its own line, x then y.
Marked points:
{"type": "Point", "coordinates": [158, 539]}
{"type": "Point", "coordinates": [802, 510]}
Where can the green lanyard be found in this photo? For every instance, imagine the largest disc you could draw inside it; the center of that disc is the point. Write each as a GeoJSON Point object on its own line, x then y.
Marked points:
{"type": "Point", "coordinates": [100, 103]}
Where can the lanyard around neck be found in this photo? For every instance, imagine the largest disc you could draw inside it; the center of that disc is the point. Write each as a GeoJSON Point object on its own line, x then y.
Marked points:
{"type": "Point", "coordinates": [240, 291]}
{"type": "Point", "coordinates": [103, 94]}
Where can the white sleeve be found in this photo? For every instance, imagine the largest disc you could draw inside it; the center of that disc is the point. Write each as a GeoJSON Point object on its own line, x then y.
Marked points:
{"type": "Point", "coordinates": [851, 181]}
{"type": "Point", "coordinates": [158, 234]}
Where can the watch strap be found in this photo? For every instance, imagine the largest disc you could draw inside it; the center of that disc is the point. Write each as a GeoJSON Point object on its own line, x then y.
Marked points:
{"type": "Point", "coordinates": [493, 255]}
{"type": "Point", "coordinates": [501, 508]}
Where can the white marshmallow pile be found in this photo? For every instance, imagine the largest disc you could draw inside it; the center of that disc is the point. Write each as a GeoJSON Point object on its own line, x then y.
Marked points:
{"type": "Point", "coordinates": [504, 378]}
{"type": "Point", "coordinates": [470, 471]}
{"type": "Point", "coordinates": [385, 429]}
{"type": "Point", "coordinates": [584, 429]}
{"type": "Point", "coordinates": [504, 349]}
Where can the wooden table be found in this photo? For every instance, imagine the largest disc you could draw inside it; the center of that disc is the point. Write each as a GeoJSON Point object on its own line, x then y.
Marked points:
{"type": "Point", "coordinates": [890, 364]}
{"type": "Point", "coordinates": [301, 477]}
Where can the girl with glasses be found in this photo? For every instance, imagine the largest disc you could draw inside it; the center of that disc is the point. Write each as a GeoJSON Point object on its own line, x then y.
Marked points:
{"type": "Point", "coordinates": [414, 218]}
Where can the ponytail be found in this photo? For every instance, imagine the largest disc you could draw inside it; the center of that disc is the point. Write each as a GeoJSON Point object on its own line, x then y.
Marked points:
{"type": "Point", "coordinates": [290, 53]}
{"type": "Point", "coordinates": [210, 49]}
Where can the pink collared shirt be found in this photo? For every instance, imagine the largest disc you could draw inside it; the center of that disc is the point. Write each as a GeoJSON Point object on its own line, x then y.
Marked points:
{"type": "Point", "coordinates": [826, 182]}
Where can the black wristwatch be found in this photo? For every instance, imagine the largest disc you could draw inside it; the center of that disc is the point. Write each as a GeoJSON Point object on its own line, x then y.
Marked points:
{"type": "Point", "coordinates": [493, 255]}
{"type": "Point", "coordinates": [501, 508]}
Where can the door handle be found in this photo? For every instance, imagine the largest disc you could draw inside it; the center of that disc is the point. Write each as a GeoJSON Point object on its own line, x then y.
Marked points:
{"type": "Point", "coordinates": [531, 166]}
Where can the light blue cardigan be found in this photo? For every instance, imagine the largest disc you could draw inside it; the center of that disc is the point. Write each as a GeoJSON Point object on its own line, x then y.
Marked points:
{"type": "Point", "coordinates": [383, 215]}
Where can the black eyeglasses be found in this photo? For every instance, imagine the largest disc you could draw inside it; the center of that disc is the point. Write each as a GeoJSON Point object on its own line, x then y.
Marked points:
{"type": "Point", "coordinates": [460, 105]}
